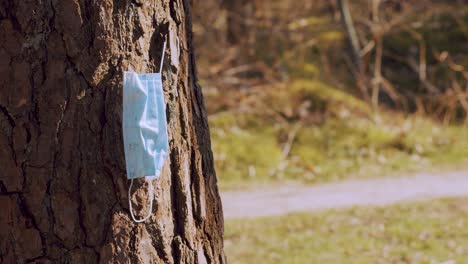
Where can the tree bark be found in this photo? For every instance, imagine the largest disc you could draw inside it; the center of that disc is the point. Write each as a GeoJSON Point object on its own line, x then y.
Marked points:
{"type": "Point", "coordinates": [63, 186]}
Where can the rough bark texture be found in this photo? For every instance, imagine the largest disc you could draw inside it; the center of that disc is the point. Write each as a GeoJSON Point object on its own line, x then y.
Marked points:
{"type": "Point", "coordinates": [62, 180]}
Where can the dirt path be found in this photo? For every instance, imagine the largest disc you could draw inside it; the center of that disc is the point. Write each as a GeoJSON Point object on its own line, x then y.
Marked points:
{"type": "Point", "coordinates": [294, 198]}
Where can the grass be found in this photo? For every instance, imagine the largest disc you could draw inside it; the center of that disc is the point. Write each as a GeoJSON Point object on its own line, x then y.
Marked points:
{"type": "Point", "coordinates": [339, 137]}
{"type": "Point", "coordinates": [430, 232]}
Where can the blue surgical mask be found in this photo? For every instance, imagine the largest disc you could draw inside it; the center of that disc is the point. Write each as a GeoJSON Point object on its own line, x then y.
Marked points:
{"type": "Point", "coordinates": [144, 129]}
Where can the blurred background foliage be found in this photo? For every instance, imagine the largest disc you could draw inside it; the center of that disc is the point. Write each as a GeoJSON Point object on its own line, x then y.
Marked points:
{"type": "Point", "coordinates": [296, 92]}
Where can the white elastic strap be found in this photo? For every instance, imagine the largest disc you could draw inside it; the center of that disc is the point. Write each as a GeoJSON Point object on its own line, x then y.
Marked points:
{"type": "Point", "coordinates": [162, 57]}
{"type": "Point", "coordinates": [151, 197]}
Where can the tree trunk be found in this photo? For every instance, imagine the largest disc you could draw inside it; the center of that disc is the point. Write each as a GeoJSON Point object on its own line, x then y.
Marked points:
{"type": "Point", "coordinates": [351, 32]}
{"type": "Point", "coordinates": [62, 181]}
{"type": "Point", "coordinates": [358, 68]}
{"type": "Point", "coordinates": [238, 11]}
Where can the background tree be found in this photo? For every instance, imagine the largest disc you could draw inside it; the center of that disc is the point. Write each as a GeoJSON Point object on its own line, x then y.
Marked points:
{"type": "Point", "coordinates": [63, 184]}
{"type": "Point", "coordinates": [348, 24]}
{"type": "Point", "coordinates": [239, 14]}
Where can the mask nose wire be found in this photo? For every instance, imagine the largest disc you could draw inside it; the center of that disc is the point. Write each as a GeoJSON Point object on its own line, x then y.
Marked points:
{"type": "Point", "coordinates": [149, 180]}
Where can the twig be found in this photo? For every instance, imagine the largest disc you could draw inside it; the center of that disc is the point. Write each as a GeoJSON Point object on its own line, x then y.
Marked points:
{"type": "Point", "coordinates": [291, 137]}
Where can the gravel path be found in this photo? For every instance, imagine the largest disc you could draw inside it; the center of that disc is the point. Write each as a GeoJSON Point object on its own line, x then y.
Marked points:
{"type": "Point", "coordinates": [383, 191]}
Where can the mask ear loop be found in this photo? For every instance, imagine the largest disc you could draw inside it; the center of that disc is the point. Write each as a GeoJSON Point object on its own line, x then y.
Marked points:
{"type": "Point", "coordinates": [149, 180]}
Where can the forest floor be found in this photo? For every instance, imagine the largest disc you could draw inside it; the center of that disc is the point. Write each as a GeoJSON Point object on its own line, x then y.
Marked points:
{"type": "Point", "coordinates": [290, 198]}
{"type": "Point", "coordinates": [255, 149]}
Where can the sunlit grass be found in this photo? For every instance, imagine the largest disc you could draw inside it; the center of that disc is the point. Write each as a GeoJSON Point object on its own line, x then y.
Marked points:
{"type": "Point", "coordinates": [430, 232]}
{"type": "Point", "coordinates": [346, 140]}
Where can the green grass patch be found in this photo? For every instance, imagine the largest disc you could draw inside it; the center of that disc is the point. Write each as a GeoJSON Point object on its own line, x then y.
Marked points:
{"type": "Point", "coordinates": [244, 151]}
{"type": "Point", "coordinates": [360, 148]}
{"type": "Point", "coordinates": [430, 232]}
